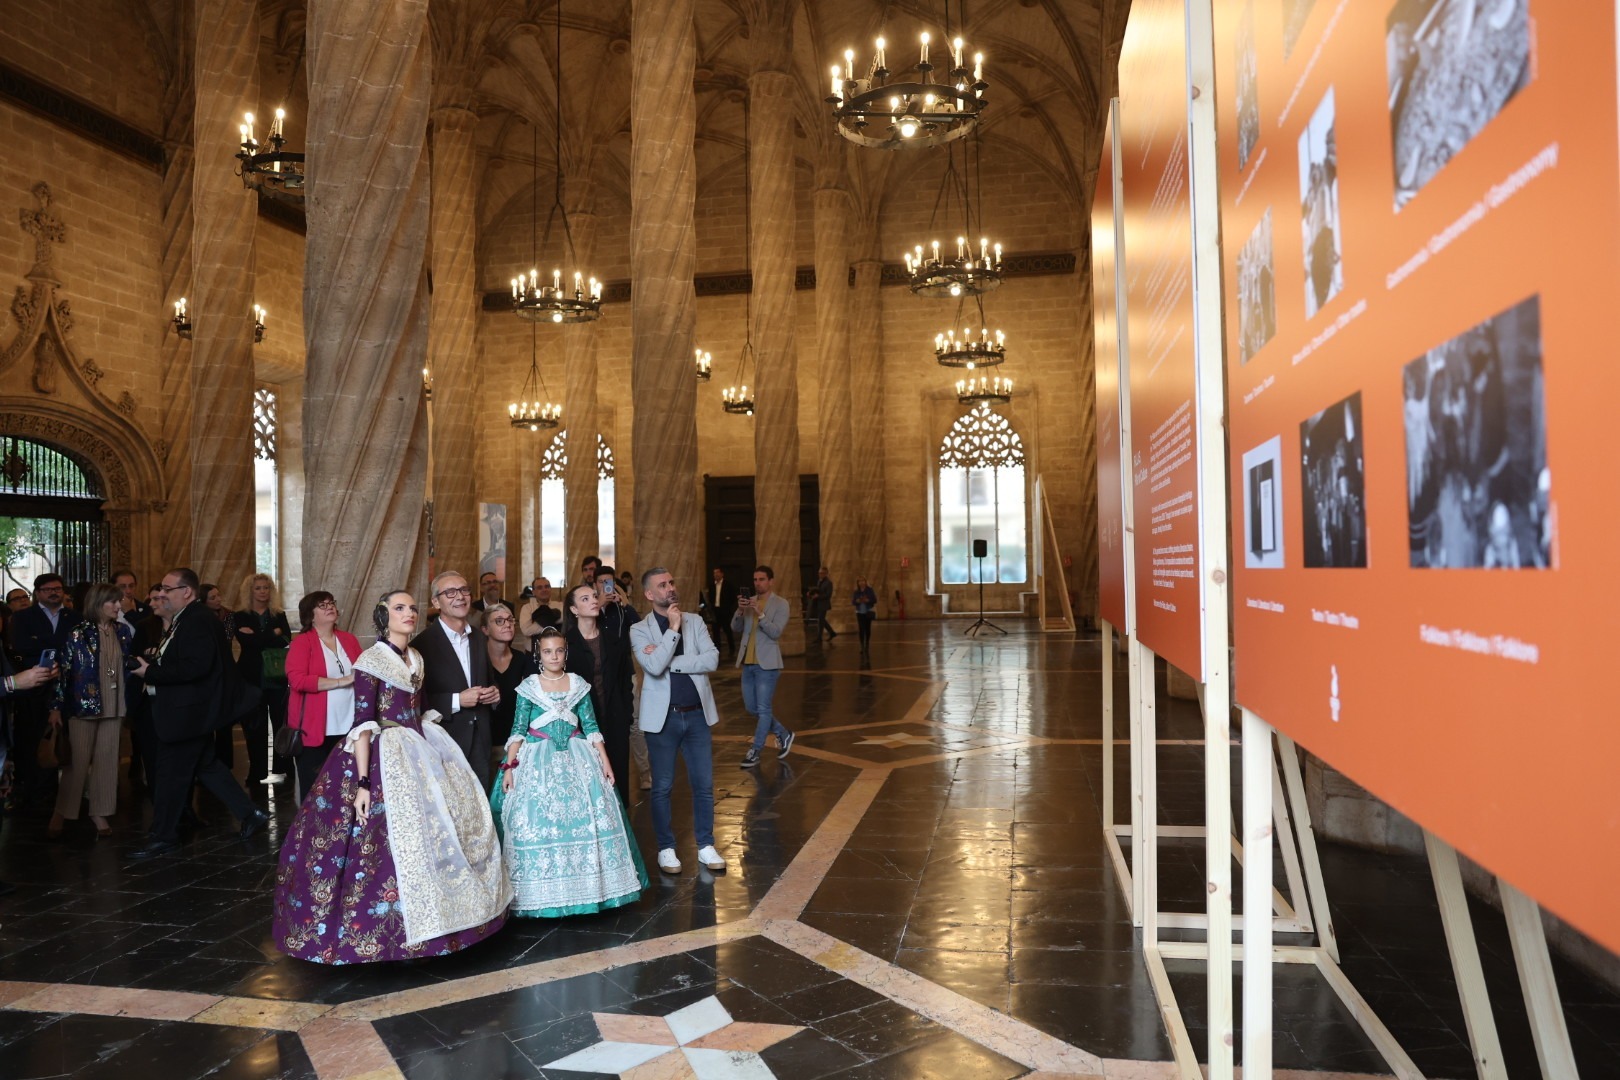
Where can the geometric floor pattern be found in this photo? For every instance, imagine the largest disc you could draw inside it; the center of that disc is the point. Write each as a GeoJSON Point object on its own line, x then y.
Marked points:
{"type": "Point", "coordinates": [919, 890]}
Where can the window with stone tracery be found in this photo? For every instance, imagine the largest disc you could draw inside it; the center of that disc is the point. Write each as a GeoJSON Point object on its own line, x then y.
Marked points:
{"type": "Point", "coordinates": [553, 532]}
{"type": "Point", "coordinates": [981, 493]}
{"type": "Point", "coordinates": [265, 438]}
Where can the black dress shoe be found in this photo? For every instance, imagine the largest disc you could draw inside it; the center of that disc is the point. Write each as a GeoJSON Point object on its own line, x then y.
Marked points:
{"type": "Point", "coordinates": [155, 848]}
{"type": "Point", "coordinates": [254, 824]}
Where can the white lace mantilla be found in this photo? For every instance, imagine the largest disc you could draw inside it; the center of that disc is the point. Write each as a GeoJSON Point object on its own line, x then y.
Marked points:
{"type": "Point", "coordinates": [551, 705]}
{"type": "Point", "coordinates": [401, 672]}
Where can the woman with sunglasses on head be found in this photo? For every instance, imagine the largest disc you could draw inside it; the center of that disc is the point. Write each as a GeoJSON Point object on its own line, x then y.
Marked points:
{"type": "Point", "coordinates": [599, 653]}
{"type": "Point", "coordinates": [564, 834]}
{"type": "Point", "coordinates": [320, 681]}
{"type": "Point", "coordinates": [508, 666]}
{"type": "Point", "coordinates": [393, 854]}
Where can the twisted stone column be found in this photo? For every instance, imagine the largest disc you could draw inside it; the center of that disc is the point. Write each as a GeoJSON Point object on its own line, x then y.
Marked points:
{"type": "Point", "coordinates": [840, 495]}
{"type": "Point", "coordinates": [663, 305]}
{"type": "Point", "coordinates": [172, 528]}
{"type": "Point", "coordinates": [866, 424]}
{"type": "Point", "coordinates": [776, 378]}
{"type": "Point", "coordinates": [1083, 574]}
{"type": "Point", "coordinates": [365, 304]}
{"type": "Point", "coordinates": [452, 350]}
{"type": "Point", "coordinates": [580, 507]}
{"type": "Point", "coordinates": [224, 217]}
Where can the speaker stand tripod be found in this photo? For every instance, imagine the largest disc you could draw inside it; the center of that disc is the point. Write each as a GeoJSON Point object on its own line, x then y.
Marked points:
{"type": "Point", "coordinates": [982, 623]}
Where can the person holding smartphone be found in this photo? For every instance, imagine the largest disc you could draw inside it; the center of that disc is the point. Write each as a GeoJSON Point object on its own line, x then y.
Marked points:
{"type": "Point", "coordinates": [761, 617]}
{"type": "Point", "coordinates": [618, 615]}
{"type": "Point", "coordinates": [92, 700]}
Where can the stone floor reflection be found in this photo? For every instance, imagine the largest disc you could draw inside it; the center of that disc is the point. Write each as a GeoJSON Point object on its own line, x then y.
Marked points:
{"type": "Point", "coordinates": [919, 890]}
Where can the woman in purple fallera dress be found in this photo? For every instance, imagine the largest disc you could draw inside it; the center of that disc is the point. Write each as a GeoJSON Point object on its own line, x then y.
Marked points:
{"type": "Point", "coordinates": [393, 854]}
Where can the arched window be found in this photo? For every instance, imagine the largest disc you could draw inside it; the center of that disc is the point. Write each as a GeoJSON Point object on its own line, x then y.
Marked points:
{"type": "Point", "coordinates": [264, 480]}
{"type": "Point", "coordinates": [552, 506]}
{"type": "Point", "coordinates": [981, 497]}
{"type": "Point", "coordinates": [50, 514]}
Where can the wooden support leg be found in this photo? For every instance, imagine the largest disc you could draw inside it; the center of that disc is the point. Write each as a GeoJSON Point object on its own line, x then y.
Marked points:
{"type": "Point", "coordinates": [1465, 964]}
{"type": "Point", "coordinates": [1536, 980]}
{"type": "Point", "coordinates": [1144, 789]}
{"type": "Point", "coordinates": [1297, 895]}
{"type": "Point", "coordinates": [1314, 884]}
{"type": "Point", "coordinates": [1258, 776]}
{"type": "Point", "coordinates": [1107, 724]}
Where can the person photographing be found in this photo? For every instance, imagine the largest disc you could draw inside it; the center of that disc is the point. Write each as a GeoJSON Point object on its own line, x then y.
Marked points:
{"type": "Point", "coordinates": [760, 620]}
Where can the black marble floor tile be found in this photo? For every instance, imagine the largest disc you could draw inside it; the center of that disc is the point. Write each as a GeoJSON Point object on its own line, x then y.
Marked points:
{"type": "Point", "coordinates": [949, 1055]}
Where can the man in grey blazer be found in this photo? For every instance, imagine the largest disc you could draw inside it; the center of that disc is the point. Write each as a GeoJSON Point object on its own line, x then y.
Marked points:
{"type": "Point", "coordinates": [759, 622]}
{"type": "Point", "coordinates": [677, 710]}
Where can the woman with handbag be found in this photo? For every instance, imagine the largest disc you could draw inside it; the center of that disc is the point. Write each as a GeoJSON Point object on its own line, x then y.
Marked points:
{"type": "Point", "coordinates": [320, 688]}
{"type": "Point", "coordinates": [93, 694]}
{"type": "Point", "coordinates": [263, 634]}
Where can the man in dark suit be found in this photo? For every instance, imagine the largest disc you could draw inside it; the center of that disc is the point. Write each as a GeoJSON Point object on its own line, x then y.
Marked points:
{"type": "Point", "coordinates": [12, 688]}
{"type": "Point", "coordinates": [455, 677]}
{"type": "Point", "coordinates": [190, 684]}
{"type": "Point", "coordinates": [43, 625]}
{"type": "Point", "coordinates": [718, 604]}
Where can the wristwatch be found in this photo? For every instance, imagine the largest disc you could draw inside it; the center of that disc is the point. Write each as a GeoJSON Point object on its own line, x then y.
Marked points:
{"type": "Point", "coordinates": [364, 783]}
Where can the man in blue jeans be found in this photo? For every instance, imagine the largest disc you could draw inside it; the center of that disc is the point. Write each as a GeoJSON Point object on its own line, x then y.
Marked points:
{"type": "Point", "coordinates": [760, 620]}
{"type": "Point", "coordinates": [677, 710]}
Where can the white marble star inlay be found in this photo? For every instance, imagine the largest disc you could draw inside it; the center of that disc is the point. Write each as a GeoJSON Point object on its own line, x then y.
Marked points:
{"type": "Point", "coordinates": [699, 1042]}
{"type": "Point", "coordinates": [897, 739]}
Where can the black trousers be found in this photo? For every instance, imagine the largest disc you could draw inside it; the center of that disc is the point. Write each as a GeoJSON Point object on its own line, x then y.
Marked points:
{"type": "Point", "coordinates": [309, 762]}
{"type": "Point", "coordinates": [28, 727]}
{"type": "Point", "coordinates": [722, 625]}
{"type": "Point", "coordinates": [178, 764]}
{"type": "Point", "coordinates": [865, 619]}
{"type": "Point", "coordinates": [616, 743]}
{"type": "Point", "coordinates": [255, 730]}
{"type": "Point", "coordinates": [143, 743]}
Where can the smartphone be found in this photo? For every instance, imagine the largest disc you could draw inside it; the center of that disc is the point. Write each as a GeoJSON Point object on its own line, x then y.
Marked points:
{"type": "Point", "coordinates": [607, 587]}
{"type": "Point", "coordinates": [47, 658]}
{"type": "Point", "coordinates": [745, 593]}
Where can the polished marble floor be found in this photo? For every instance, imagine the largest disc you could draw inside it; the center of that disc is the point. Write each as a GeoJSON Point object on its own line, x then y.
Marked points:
{"type": "Point", "coordinates": [919, 890]}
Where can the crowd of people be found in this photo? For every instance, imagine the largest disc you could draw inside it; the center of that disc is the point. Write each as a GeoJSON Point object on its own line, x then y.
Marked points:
{"type": "Point", "coordinates": [470, 766]}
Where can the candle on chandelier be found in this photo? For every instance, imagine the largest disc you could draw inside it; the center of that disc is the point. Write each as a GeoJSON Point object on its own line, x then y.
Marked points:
{"type": "Point", "coordinates": [276, 125]}
{"type": "Point", "coordinates": [997, 250]}
{"type": "Point", "coordinates": [837, 84]}
{"type": "Point", "coordinates": [961, 247]}
{"type": "Point", "coordinates": [956, 54]}
{"type": "Point", "coordinates": [247, 128]}
{"type": "Point", "coordinates": [180, 309]}
{"type": "Point", "coordinates": [925, 47]}
{"type": "Point", "coordinates": [978, 67]}
{"type": "Point", "coordinates": [579, 284]}
{"type": "Point", "coordinates": [556, 281]}
{"type": "Point", "coordinates": [1001, 339]}
{"type": "Point", "coordinates": [882, 60]}
{"type": "Point", "coordinates": [936, 251]}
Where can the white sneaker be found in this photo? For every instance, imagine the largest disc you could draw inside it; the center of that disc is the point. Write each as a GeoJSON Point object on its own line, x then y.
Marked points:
{"type": "Point", "coordinates": [711, 858]}
{"type": "Point", "coordinates": [668, 863]}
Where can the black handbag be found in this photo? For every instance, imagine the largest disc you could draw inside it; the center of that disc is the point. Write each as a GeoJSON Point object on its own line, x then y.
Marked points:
{"type": "Point", "coordinates": [289, 741]}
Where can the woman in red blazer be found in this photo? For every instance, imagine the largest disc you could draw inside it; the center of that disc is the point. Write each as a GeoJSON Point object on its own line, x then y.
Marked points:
{"type": "Point", "coordinates": [320, 683]}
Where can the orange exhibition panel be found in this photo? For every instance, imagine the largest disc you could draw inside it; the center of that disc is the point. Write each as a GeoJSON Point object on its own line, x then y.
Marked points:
{"type": "Point", "coordinates": [1421, 246]}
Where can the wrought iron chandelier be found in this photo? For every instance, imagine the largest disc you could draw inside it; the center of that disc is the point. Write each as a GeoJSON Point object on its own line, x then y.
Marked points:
{"type": "Point", "coordinates": [276, 171]}
{"type": "Point", "coordinates": [934, 271]}
{"type": "Point", "coordinates": [533, 410]}
{"type": "Point", "coordinates": [931, 108]}
{"type": "Point", "coordinates": [704, 363]}
{"type": "Point", "coordinates": [182, 320]}
{"type": "Point", "coordinates": [532, 297]}
{"type": "Point", "coordinates": [736, 398]}
{"type": "Point", "coordinates": [968, 351]}
{"type": "Point", "coordinates": [984, 388]}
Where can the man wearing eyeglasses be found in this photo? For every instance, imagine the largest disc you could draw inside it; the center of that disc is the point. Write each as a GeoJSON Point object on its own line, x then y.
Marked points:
{"type": "Point", "coordinates": [455, 679]}
{"type": "Point", "coordinates": [190, 686]}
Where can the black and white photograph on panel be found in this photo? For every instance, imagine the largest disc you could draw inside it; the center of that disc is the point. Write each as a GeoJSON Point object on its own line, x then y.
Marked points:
{"type": "Point", "coordinates": [1332, 489]}
{"type": "Point", "coordinates": [1453, 65]}
{"type": "Point", "coordinates": [1262, 506]}
{"type": "Point", "coordinates": [1257, 291]}
{"type": "Point", "coordinates": [1319, 208]}
{"type": "Point", "coordinates": [1478, 486]}
{"type": "Point", "coordinates": [1248, 88]}
{"type": "Point", "coordinates": [1294, 13]}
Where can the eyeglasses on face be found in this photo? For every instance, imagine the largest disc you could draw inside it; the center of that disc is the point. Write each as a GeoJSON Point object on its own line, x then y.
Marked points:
{"type": "Point", "coordinates": [326, 605]}
{"type": "Point", "coordinates": [454, 594]}
{"type": "Point", "coordinates": [172, 588]}
{"type": "Point", "coordinates": [500, 620]}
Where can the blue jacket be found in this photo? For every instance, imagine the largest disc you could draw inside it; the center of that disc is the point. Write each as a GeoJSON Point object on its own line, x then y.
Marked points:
{"type": "Point", "coordinates": [31, 632]}
{"type": "Point", "coordinates": [78, 691]}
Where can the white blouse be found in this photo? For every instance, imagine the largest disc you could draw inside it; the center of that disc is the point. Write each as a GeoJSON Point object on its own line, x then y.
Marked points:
{"type": "Point", "coordinates": [339, 702]}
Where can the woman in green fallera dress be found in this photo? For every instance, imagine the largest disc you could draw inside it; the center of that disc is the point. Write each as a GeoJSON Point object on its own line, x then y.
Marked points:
{"type": "Point", "coordinates": [564, 835]}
